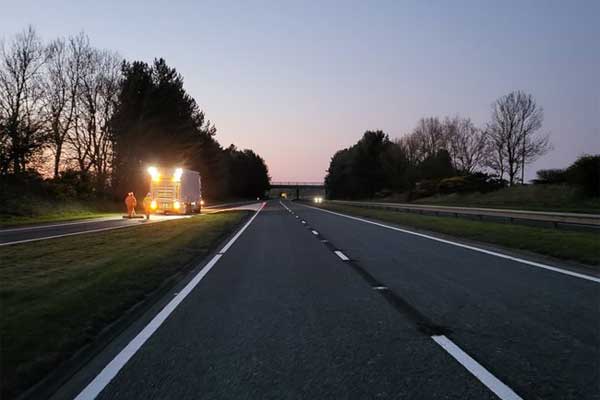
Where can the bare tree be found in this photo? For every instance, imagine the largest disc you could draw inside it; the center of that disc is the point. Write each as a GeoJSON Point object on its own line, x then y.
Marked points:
{"type": "Point", "coordinates": [494, 152]}
{"type": "Point", "coordinates": [21, 99]}
{"type": "Point", "coordinates": [467, 144]}
{"type": "Point", "coordinates": [515, 120]}
{"type": "Point", "coordinates": [431, 136]}
{"type": "Point", "coordinates": [90, 139]}
{"type": "Point", "coordinates": [62, 87]}
{"type": "Point", "coordinates": [411, 144]}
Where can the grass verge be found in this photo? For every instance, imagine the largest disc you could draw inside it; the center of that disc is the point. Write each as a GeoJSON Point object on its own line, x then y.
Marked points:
{"type": "Point", "coordinates": [583, 247]}
{"type": "Point", "coordinates": [560, 198]}
{"type": "Point", "coordinates": [57, 295]}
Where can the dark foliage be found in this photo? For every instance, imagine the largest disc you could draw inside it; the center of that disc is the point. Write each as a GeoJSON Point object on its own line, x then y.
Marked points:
{"type": "Point", "coordinates": [156, 122]}
{"type": "Point", "coordinates": [585, 172]}
{"type": "Point", "coordinates": [436, 166]}
{"type": "Point", "coordinates": [476, 182]}
{"type": "Point", "coordinates": [550, 176]}
{"type": "Point", "coordinates": [371, 165]}
{"type": "Point", "coordinates": [375, 166]}
{"type": "Point", "coordinates": [248, 175]}
{"type": "Point", "coordinates": [21, 193]}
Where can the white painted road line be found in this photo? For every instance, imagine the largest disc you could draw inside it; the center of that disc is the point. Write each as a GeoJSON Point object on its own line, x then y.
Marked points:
{"type": "Point", "coordinates": [303, 222]}
{"type": "Point", "coordinates": [490, 381]}
{"type": "Point", "coordinates": [67, 234]}
{"type": "Point", "coordinates": [91, 221]}
{"type": "Point", "coordinates": [315, 233]}
{"type": "Point", "coordinates": [341, 255]}
{"type": "Point", "coordinates": [284, 206]}
{"type": "Point", "coordinates": [85, 221]}
{"type": "Point", "coordinates": [228, 245]}
{"type": "Point", "coordinates": [93, 389]}
{"type": "Point", "coordinates": [466, 246]}
{"type": "Point", "coordinates": [132, 225]}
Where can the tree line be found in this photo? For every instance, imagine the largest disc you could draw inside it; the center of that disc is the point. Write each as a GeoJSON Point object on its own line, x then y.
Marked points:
{"type": "Point", "coordinates": [484, 157]}
{"type": "Point", "coordinates": [68, 109]}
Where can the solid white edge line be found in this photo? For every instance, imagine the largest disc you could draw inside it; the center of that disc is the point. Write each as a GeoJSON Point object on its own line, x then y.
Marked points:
{"type": "Point", "coordinates": [483, 375]}
{"type": "Point", "coordinates": [92, 231]}
{"type": "Point", "coordinates": [93, 389]}
{"type": "Point", "coordinates": [466, 246]}
{"type": "Point", "coordinates": [66, 234]}
{"type": "Point", "coordinates": [83, 221]}
{"type": "Point", "coordinates": [341, 255]}
{"type": "Point", "coordinates": [230, 243]}
{"type": "Point", "coordinates": [315, 233]}
{"type": "Point", "coordinates": [284, 206]}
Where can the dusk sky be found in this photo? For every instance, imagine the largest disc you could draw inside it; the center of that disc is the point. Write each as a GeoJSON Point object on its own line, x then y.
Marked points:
{"type": "Point", "coordinates": [297, 81]}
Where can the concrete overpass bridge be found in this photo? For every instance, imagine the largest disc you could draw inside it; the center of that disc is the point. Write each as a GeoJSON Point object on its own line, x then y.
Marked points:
{"type": "Point", "coordinates": [297, 190]}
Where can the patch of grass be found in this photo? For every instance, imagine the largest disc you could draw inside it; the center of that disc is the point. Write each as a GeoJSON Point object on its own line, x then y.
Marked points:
{"type": "Point", "coordinates": [582, 247]}
{"type": "Point", "coordinates": [57, 295]}
{"type": "Point", "coordinates": [531, 197]}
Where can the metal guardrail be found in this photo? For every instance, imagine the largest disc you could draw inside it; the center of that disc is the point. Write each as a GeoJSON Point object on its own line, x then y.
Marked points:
{"type": "Point", "coordinates": [554, 218]}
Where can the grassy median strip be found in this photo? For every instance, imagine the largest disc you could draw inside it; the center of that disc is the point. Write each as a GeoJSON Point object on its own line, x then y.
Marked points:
{"type": "Point", "coordinates": [568, 245]}
{"type": "Point", "coordinates": [57, 295]}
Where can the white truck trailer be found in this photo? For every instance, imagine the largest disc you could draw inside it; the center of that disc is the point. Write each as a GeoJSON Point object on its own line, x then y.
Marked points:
{"type": "Point", "coordinates": [175, 190]}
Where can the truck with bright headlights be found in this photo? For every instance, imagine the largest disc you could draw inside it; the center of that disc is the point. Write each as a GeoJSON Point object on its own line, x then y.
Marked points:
{"type": "Point", "coordinates": [175, 190]}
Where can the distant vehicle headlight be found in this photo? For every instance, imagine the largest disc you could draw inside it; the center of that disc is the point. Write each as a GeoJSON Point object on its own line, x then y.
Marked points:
{"type": "Point", "coordinates": [153, 205]}
{"type": "Point", "coordinates": [201, 202]}
{"type": "Point", "coordinates": [318, 199]}
{"type": "Point", "coordinates": [176, 205]}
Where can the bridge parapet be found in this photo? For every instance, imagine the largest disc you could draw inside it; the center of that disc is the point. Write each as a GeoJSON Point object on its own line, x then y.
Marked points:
{"type": "Point", "coordinates": [279, 184]}
{"type": "Point", "coordinates": [297, 189]}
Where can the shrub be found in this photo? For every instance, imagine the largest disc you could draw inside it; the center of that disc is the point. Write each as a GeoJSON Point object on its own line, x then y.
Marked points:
{"type": "Point", "coordinates": [456, 184]}
{"type": "Point", "coordinates": [81, 183]}
{"type": "Point", "coordinates": [476, 182]}
{"type": "Point", "coordinates": [585, 172]}
{"type": "Point", "coordinates": [425, 188]}
{"type": "Point", "coordinates": [61, 191]}
{"type": "Point", "coordinates": [550, 176]}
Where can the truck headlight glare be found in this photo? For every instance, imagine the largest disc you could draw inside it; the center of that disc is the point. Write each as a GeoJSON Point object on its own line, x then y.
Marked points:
{"type": "Point", "coordinates": [153, 171]}
{"type": "Point", "coordinates": [176, 205]}
{"type": "Point", "coordinates": [177, 175]}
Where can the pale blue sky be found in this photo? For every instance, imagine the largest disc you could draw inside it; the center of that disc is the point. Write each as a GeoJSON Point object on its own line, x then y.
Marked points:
{"type": "Point", "coordinates": [297, 81]}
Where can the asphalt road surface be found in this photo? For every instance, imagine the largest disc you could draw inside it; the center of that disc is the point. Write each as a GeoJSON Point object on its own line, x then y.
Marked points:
{"type": "Point", "coordinates": [306, 304]}
{"type": "Point", "coordinates": [60, 229]}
